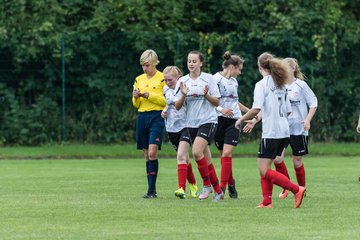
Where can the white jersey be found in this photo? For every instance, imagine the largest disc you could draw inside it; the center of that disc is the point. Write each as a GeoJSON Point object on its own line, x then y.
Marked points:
{"type": "Point", "coordinates": [301, 97]}
{"type": "Point", "coordinates": [228, 88]}
{"type": "Point", "coordinates": [199, 110]}
{"type": "Point", "coordinates": [176, 119]}
{"type": "Point", "coordinates": [275, 106]}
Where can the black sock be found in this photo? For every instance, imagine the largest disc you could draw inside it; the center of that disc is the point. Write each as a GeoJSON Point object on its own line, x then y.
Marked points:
{"type": "Point", "coordinates": [147, 174]}
{"type": "Point", "coordinates": [153, 170]}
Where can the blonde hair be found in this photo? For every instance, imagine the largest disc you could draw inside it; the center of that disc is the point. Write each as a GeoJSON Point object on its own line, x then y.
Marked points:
{"type": "Point", "coordinates": [149, 56]}
{"type": "Point", "coordinates": [293, 63]}
{"type": "Point", "coordinates": [277, 68]}
{"type": "Point", "coordinates": [173, 70]}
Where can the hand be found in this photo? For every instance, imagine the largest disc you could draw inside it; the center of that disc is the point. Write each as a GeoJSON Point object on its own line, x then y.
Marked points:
{"type": "Point", "coordinates": [238, 123]}
{"type": "Point", "coordinates": [145, 94]}
{"type": "Point", "coordinates": [164, 114]}
{"type": "Point", "coordinates": [306, 124]}
{"type": "Point", "coordinates": [136, 93]}
{"type": "Point", "coordinates": [250, 124]}
{"type": "Point", "coordinates": [206, 90]}
{"type": "Point", "coordinates": [227, 112]}
{"type": "Point", "coordinates": [183, 88]}
{"type": "Point", "coordinates": [358, 128]}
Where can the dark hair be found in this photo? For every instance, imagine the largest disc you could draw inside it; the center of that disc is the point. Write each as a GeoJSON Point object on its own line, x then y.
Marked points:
{"type": "Point", "coordinates": [277, 68]}
{"type": "Point", "coordinates": [234, 60]}
{"type": "Point", "coordinates": [201, 56]}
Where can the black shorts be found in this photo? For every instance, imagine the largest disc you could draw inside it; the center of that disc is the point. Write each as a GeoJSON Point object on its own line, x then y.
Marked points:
{"type": "Point", "coordinates": [175, 138]}
{"type": "Point", "coordinates": [299, 145]}
{"type": "Point", "coordinates": [271, 148]}
{"type": "Point", "coordinates": [226, 133]}
{"type": "Point", "coordinates": [205, 131]}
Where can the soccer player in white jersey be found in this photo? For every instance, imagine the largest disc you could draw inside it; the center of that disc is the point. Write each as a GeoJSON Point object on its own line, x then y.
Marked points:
{"type": "Point", "coordinates": [199, 92]}
{"type": "Point", "coordinates": [303, 107]}
{"type": "Point", "coordinates": [270, 98]}
{"type": "Point", "coordinates": [175, 122]}
{"type": "Point", "coordinates": [229, 110]}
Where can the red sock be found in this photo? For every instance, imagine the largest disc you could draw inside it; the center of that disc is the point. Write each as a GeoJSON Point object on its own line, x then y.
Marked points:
{"type": "Point", "coordinates": [182, 173]}
{"type": "Point", "coordinates": [281, 168]}
{"type": "Point", "coordinates": [231, 180]}
{"type": "Point", "coordinates": [226, 166]}
{"type": "Point", "coordinates": [190, 174]}
{"type": "Point", "coordinates": [300, 175]}
{"type": "Point", "coordinates": [204, 171]}
{"type": "Point", "coordinates": [281, 180]}
{"type": "Point", "coordinates": [266, 188]}
{"type": "Point", "coordinates": [213, 178]}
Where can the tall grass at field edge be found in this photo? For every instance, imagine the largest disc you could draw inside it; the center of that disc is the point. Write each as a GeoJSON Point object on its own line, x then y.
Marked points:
{"type": "Point", "coordinates": [78, 151]}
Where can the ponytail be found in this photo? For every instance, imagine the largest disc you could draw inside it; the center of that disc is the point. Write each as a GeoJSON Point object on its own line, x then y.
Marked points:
{"type": "Point", "coordinates": [279, 71]}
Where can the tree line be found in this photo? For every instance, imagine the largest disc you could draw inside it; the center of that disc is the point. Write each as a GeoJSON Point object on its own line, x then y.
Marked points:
{"type": "Point", "coordinates": [101, 42]}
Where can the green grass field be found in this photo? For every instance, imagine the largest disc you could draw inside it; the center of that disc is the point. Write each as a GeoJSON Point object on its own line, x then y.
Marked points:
{"type": "Point", "coordinates": [102, 199]}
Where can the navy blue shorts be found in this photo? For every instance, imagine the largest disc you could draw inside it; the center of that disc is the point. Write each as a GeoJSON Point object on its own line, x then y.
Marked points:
{"type": "Point", "coordinates": [149, 129]}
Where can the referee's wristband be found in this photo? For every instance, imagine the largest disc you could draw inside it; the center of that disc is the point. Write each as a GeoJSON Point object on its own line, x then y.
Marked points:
{"type": "Point", "coordinates": [219, 108]}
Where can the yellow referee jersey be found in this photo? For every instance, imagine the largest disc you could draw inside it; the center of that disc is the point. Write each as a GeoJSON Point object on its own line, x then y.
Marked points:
{"type": "Point", "coordinates": [154, 85]}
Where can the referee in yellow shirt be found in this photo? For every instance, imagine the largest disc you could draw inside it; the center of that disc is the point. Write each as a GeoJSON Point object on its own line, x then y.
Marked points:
{"type": "Point", "coordinates": [148, 98]}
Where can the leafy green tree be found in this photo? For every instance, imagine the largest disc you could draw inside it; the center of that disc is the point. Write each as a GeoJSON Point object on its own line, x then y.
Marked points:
{"type": "Point", "coordinates": [104, 39]}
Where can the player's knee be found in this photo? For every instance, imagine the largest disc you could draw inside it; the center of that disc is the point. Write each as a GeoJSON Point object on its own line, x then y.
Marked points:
{"type": "Point", "coordinates": [226, 153]}
{"type": "Point", "coordinates": [182, 156]}
{"type": "Point", "coordinates": [278, 159]}
{"type": "Point", "coordinates": [152, 154]}
{"type": "Point", "coordinates": [197, 154]}
{"type": "Point", "coordinates": [297, 160]}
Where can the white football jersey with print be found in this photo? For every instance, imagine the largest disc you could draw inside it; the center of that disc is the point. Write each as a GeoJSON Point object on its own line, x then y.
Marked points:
{"type": "Point", "coordinates": [176, 119]}
{"type": "Point", "coordinates": [301, 98]}
{"type": "Point", "coordinates": [228, 89]}
{"type": "Point", "coordinates": [199, 110]}
{"type": "Point", "coordinates": [275, 106]}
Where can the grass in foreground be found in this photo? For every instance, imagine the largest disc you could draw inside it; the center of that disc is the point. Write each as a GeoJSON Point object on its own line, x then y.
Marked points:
{"type": "Point", "coordinates": [102, 199]}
